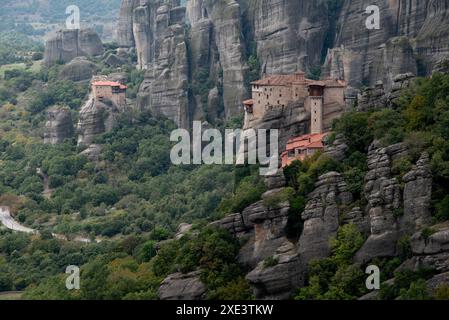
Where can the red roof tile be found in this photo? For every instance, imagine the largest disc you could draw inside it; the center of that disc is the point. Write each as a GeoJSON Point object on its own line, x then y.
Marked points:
{"type": "Point", "coordinates": [109, 84]}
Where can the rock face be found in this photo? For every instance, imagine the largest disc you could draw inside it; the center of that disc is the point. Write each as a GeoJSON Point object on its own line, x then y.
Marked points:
{"type": "Point", "coordinates": [225, 18]}
{"type": "Point", "coordinates": [66, 45]}
{"type": "Point", "coordinates": [321, 217]}
{"type": "Point", "coordinates": [162, 50]}
{"type": "Point", "coordinates": [212, 41]}
{"type": "Point", "coordinates": [408, 29]}
{"type": "Point", "coordinates": [59, 125]}
{"type": "Point", "coordinates": [125, 37]}
{"type": "Point", "coordinates": [378, 97]}
{"type": "Point", "coordinates": [391, 211]}
{"type": "Point", "coordinates": [95, 117]}
{"type": "Point", "coordinates": [289, 35]}
{"type": "Point", "coordinates": [79, 69]}
{"type": "Point", "coordinates": [383, 194]}
{"type": "Point", "coordinates": [430, 251]}
{"type": "Point", "coordinates": [180, 286]}
{"type": "Point", "coordinates": [417, 197]}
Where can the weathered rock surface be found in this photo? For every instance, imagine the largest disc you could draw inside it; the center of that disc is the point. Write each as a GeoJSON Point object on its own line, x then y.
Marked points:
{"type": "Point", "coordinates": [407, 30]}
{"type": "Point", "coordinates": [378, 97]}
{"type": "Point", "coordinates": [383, 193]}
{"type": "Point", "coordinates": [289, 35]}
{"type": "Point", "coordinates": [95, 117]}
{"type": "Point", "coordinates": [180, 286]}
{"type": "Point", "coordinates": [59, 125]}
{"type": "Point", "coordinates": [66, 45]}
{"type": "Point", "coordinates": [114, 60]}
{"type": "Point", "coordinates": [321, 217]}
{"type": "Point", "coordinates": [161, 48]}
{"type": "Point", "coordinates": [125, 37]}
{"type": "Point", "coordinates": [392, 212]}
{"type": "Point", "coordinates": [92, 152]}
{"type": "Point", "coordinates": [417, 197]}
{"type": "Point", "coordinates": [337, 149]}
{"type": "Point", "coordinates": [279, 280]}
{"type": "Point", "coordinates": [291, 121]}
{"type": "Point", "coordinates": [79, 69]}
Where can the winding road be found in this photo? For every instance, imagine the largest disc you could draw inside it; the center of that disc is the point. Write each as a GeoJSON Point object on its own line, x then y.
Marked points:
{"type": "Point", "coordinates": [8, 221]}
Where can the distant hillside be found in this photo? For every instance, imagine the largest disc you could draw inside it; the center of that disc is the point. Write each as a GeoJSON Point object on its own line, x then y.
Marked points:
{"type": "Point", "coordinates": [38, 17]}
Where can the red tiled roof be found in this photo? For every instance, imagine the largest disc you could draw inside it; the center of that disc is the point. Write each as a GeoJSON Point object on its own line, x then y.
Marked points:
{"type": "Point", "coordinates": [276, 80]}
{"type": "Point", "coordinates": [109, 84]}
{"type": "Point", "coordinates": [287, 80]}
{"type": "Point", "coordinates": [307, 141]}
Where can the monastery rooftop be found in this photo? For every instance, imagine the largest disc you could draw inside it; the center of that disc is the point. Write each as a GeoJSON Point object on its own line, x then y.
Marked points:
{"type": "Point", "coordinates": [109, 84]}
{"type": "Point", "coordinates": [288, 80]}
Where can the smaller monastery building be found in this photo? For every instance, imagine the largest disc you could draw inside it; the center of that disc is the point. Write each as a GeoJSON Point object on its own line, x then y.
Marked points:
{"type": "Point", "coordinates": [301, 147]}
{"type": "Point", "coordinates": [110, 90]}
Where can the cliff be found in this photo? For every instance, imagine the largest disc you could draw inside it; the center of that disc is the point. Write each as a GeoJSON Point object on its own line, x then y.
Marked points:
{"type": "Point", "coordinates": [197, 61]}
{"type": "Point", "coordinates": [66, 45]}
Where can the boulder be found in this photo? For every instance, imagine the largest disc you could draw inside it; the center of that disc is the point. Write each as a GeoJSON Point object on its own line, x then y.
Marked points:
{"type": "Point", "coordinates": [79, 69]}
{"type": "Point", "coordinates": [180, 286]}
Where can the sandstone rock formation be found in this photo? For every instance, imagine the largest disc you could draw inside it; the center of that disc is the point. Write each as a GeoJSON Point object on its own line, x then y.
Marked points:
{"type": "Point", "coordinates": [180, 286]}
{"type": "Point", "coordinates": [289, 35]}
{"type": "Point", "coordinates": [217, 37]}
{"type": "Point", "coordinates": [161, 49]}
{"type": "Point", "coordinates": [95, 117]}
{"type": "Point", "coordinates": [378, 97]}
{"type": "Point", "coordinates": [66, 45]}
{"type": "Point", "coordinates": [59, 125]}
{"type": "Point", "coordinates": [79, 69]}
{"type": "Point", "coordinates": [321, 217]}
{"type": "Point", "coordinates": [383, 193]}
{"type": "Point", "coordinates": [408, 29]}
{"type": "Point", "coordinates": [392, 212]}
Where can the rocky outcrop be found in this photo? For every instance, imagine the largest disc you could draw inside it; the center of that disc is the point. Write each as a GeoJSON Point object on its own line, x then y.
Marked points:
{"type": "Point", "coordinates": [59, 125]}
{"type": "Point", "coordinates": [181, 286]}
{"type": "Point", "coordinates": [410, 39]}
{"type": "Point", "coordinates": [384, 197]}
{"type": "Point", "coordinates": [417, 197]}
{"type": "Point", "coordinates": [92, 152]}
{"type": "Point", "coordinates": [161, 48]}
{"type": "Point", "coordinates": [393, 211]}
{"type": "Point", "coordinates": [337, 149]}
{"type": "Point", "coordinates": [217, 47]}
{"type": "Point", "coordinates": [291, 121]}
{"type": "Point", "coordinates": [262, 227]}
{"type": "Point", "coordinates": [79, 69]}
{"type": "Point", "coordinates": [95, 117]}
{"type": "Point", "coordinates": [125, 36]}
{"type": "Point", "coordinates": [278, 279]}
{"type": "Point", "coordinates": [66, 45]}
{"type": "Point", "coordinates": [430, 248]}
{"type": "Point", "coordinates": [289, 35]}
{"type": "Point", "coordinates": [378, 97]}
{"type": "Point", "coordinates": [225, 16]}
{"type": "Point", "coordinates": [114, 60]}
{"type": "Point", "coordinates": [321, 217]}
